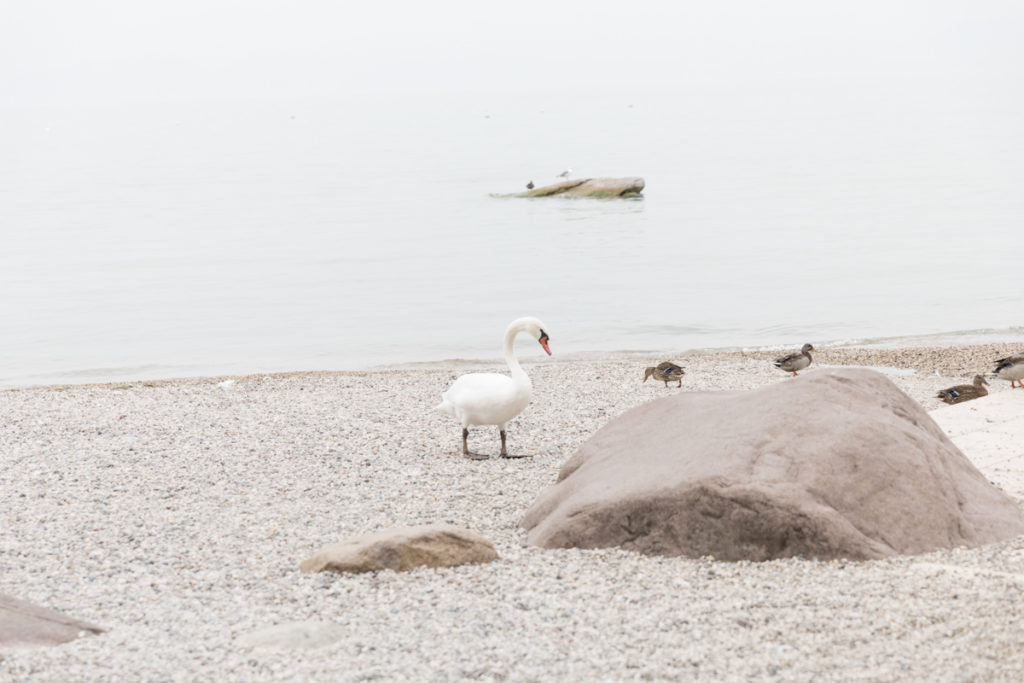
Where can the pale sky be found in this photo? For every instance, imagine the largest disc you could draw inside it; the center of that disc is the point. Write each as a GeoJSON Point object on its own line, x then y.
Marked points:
{"type": "Point", "coordinates": [69, 51]}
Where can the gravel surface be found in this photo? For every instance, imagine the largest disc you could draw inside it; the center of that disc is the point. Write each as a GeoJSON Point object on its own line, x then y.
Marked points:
{"type": "Point", "coordinates": [175, 514]}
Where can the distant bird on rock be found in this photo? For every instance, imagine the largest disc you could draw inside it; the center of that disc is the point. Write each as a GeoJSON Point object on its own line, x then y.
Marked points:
{"type": "Point", "coordinates": [796, 361]}
{"type": "Point", "coordinates": [529, 185]}
{"type": "Point", "coordinates": [565, 174]}
{"type": "Point", "coordinates": [666, 372]}
{"type": "Point", "coordinates": [1011, 368]}
{"type": "Point", "coordinates": [964, 392]}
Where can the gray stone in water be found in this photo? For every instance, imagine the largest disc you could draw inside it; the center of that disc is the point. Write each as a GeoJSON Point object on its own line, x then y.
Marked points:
{"type": "Point", "coordinates": [24, 624]}
{"type": "Point", "coordinates": [590, 187]}
{"type": "Point", "coordinates": [296, 634]}
{"type": "Point", "coordinates": [403, 548]}
{"type": "Point", "coordinates": [831, 464]}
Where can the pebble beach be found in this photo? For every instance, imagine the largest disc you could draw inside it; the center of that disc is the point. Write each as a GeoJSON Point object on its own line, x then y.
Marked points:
{"type": "Point", "coordinates": [175, 513]}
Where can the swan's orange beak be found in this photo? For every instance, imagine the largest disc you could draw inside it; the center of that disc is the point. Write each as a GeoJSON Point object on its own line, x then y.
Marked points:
{"type": "Point", "coordinates": [544, 342]}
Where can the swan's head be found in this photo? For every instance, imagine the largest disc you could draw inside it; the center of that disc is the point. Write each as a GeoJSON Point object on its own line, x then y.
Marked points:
{"type": "Point", "coordinates": [533, 327]}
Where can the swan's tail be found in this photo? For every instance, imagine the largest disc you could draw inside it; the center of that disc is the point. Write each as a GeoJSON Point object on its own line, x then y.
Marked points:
{"type": "Point", "coordinates": [446, 406]}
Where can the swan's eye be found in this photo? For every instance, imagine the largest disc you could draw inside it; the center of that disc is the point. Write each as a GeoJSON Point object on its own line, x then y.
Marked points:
{"type": "Point", "coordinates": [544, 335]}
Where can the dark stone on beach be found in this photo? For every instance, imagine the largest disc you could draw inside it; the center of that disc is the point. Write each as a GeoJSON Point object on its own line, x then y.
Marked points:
{"type": "Point", "coordinates": [402, 549]}
{"type": "Point", "coordinates": [832, 464]}
{"type": "Point", "coordinates": [24, 624]}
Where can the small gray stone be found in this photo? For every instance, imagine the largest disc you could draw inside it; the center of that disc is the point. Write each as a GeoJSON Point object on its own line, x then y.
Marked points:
{"type": "Point", "coordinates": [296, 634]}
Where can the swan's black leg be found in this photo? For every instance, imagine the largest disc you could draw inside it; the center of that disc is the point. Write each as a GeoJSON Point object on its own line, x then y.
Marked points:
{"type": "Point", "coordinates": [504, 452]}
{"type": "Point", "coordinates": [465, 447]}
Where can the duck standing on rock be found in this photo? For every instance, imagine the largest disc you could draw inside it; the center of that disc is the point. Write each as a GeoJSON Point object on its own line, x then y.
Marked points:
{"type": "Point", "coordinates": [487, 398]}
{"type": "Point", "coordinates": [529, 185]}
{"type": "Point", "coordinates": [666, 372]}
{"type": "Point", "coordinates": [1011, 368]}
{"type": "Point", "coordinates": [964, 392]}
{"type": "Point", "coordinates": [796, 361]}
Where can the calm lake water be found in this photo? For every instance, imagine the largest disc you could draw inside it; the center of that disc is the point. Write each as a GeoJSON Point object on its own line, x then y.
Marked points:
{"type": "Point", "coordinates": [208, 238]}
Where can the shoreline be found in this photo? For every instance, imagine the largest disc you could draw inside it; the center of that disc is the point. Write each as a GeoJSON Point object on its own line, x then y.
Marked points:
{"type": "Point", "coordinates": [960, 360]}
{"type": "Point", "coordinates": [1011, 338]}
{"type": "Point", "coordinates": [174, 513]}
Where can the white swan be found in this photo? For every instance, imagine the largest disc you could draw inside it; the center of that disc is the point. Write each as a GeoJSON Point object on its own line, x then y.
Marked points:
{"type": "Point", "coordinates": [487, 398]}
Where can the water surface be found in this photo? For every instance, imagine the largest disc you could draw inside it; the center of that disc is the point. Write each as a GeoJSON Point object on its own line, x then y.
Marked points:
{"type": "Point", "coordinates": [208, 238]}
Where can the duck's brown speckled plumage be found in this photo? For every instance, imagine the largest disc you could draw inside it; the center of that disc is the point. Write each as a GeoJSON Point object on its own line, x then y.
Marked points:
{"type": "Point", "coordinates": [796, 361]}
{"type": "Point", "coordinates": [666, 372]}
{"type": "Point", "coordinates": [964, 392]}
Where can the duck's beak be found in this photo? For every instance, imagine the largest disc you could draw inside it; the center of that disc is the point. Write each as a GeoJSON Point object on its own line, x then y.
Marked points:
{"type": "Point", "coordinates": [544, 342]}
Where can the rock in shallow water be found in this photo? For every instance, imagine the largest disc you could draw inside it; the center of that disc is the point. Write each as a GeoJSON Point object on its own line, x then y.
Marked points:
{"type": "Point", "coordinates": [832, 464]}
{"type": "Point", "coordinates": [403, 548]}
{"type": "Point", "coordinates": [591, 187]}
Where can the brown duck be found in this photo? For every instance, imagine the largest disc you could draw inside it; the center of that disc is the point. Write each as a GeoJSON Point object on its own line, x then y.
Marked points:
{"type": "Point", "coordinates": [1011, 368]}
{"type": "Point", "coordinates": [796, 361]}
{"type": "Point", "coordinates": [666, 372]}
{"type": "Point", "coordinates": [964, 392]}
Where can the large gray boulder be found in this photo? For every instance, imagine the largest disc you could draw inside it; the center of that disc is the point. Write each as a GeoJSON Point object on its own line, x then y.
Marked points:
{"type": "Point", "coordinates": [403, 548]}
{"type": "Point", "coordinates": [590, 187]}
{"type": "Point", "coordinates": [832, 464]}
{"type": "Point", "coordinates": [25, 624]}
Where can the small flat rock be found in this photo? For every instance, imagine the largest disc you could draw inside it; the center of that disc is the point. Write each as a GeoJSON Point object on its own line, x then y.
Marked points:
{"type": "Point", "coordinates": [24, 624]}
{"type": "Point", "coordinates": [296, 634]}
{"type": "Point", "coordinates": [403, 548]}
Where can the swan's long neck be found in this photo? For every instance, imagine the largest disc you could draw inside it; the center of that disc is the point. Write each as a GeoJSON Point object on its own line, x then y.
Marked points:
{"type": "Point", "coordinates": [518, 373]}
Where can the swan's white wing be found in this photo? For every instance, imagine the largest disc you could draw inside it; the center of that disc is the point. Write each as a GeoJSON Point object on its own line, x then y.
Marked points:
{"type": "Point", "coordinates": [485, 398]}
{"type": "Point", "coordinates": [481, 388]}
